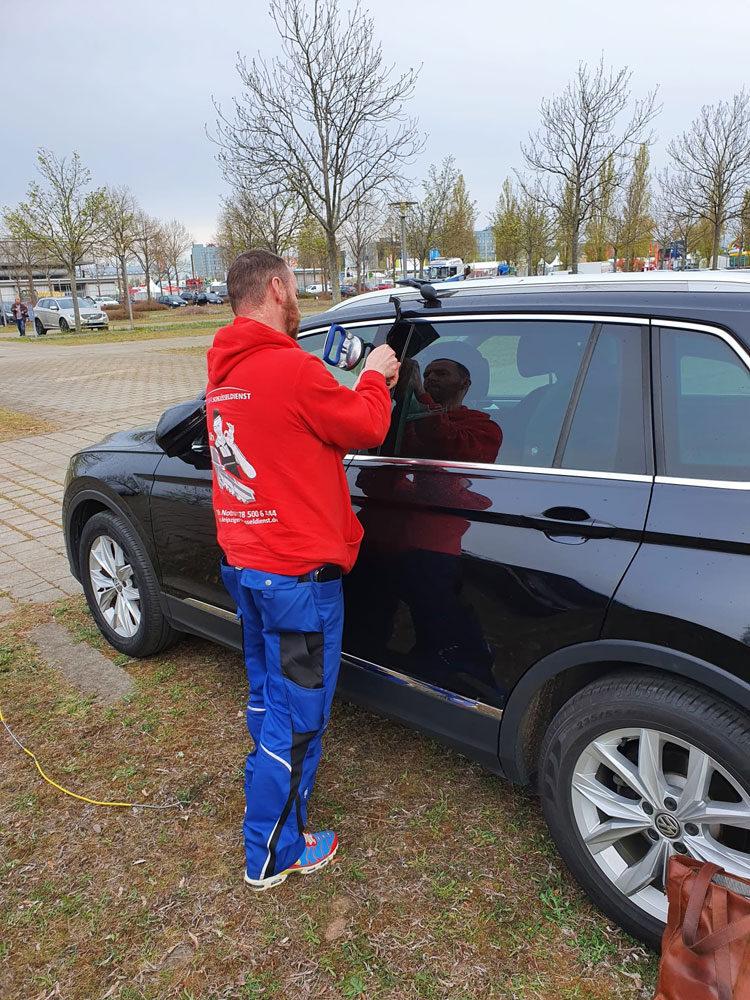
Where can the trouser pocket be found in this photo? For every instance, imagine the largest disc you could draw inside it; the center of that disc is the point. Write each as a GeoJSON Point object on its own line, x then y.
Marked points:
{"type": "Point", "coordinates": [301, 659]}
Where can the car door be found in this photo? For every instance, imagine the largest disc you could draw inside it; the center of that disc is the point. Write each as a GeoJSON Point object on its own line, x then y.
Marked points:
{"type": "Point", "coordinates": [697, 524]}
{"type": "Point", "coordinates": [41, 311]}
{"type": "Point", "coordinates": [182, 509]}
{"type": "Point", "coordinates": [506, 503]}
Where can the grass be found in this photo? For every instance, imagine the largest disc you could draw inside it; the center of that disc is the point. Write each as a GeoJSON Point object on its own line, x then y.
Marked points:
{"type": "Point", "coordinates": [14, 425]}
{"type": "Point", "coordinates": [445, 886]}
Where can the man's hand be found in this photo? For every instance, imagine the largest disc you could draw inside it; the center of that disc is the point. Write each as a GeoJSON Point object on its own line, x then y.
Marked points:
{"type": "Point", "coordinates": [383, 359]}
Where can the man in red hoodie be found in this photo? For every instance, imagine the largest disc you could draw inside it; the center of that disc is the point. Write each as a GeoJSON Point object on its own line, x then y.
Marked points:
{"type": "Point", "coordinates": [279, 425]}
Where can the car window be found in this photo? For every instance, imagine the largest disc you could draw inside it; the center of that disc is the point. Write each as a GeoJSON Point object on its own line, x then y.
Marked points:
{"type": "Point", "coordinates": [705, 391]}
{"type": "Point", "coordinates": [315, 344]}
{"type": "Point", "coordinates": [607, 433]}
{"type": "Point", "coordinates": [486, 391]}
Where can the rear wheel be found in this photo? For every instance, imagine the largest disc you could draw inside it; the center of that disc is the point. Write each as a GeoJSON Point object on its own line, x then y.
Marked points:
{"type": "Point", "coordinates": [121, 587]}
{"type": "Point", "coordinates": [40, 331]}
{"type": "Point", "coordinates": [633, 770]}
{"type": "Point", "coordinates": [64, 326]}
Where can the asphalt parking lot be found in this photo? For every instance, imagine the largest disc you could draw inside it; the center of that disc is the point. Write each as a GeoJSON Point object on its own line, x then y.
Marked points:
{"type": "Point", "coordinates": [87, 391]}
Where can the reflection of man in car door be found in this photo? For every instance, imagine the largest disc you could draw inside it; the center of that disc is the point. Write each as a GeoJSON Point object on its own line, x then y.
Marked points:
{"type": "Point", "coordinates": [418, 548]}
{"type": "Point", "coordinates": [440, 426]}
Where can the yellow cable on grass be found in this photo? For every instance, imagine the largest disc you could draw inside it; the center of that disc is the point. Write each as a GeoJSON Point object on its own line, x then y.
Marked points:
{"type": "Point", "coordinates": [93, 802]}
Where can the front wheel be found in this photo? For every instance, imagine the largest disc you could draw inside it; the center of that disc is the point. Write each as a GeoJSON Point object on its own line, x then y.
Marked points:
{"type": "Point", "coordinates": [635, 769]}
{"type": "Point", "coordinates": [64, 326]}
{"type": "Point", "coordinates": [40, 331]}
{"type": "Point", "coordinates": [121, 588]}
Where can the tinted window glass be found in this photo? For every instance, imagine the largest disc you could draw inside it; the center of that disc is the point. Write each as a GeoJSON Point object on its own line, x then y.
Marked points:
{"type": "Point", "coordinates": [706, 407]}
{"type": "Point", "coordinates": [314, 343]}
{"type": "Point", "coordinates": [486, 391]}
{"type": "Point", "coordinates": [607, 433]}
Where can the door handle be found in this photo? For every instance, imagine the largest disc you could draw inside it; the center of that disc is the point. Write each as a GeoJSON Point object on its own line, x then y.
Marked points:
{"type": "Point", "coordinates": [572, 518]}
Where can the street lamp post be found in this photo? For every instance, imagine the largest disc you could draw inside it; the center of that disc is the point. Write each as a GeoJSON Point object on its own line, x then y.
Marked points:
{"type": "Point", "coordinates": [402, 206]}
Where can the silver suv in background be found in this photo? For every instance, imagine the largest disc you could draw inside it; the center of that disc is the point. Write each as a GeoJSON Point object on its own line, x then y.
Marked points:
{"type": "Point", "coordinates": [58, 314]}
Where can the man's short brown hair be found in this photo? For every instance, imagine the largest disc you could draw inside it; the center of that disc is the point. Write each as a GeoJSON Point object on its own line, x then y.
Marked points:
{"type": "Point", "coordinates": [249, 275]}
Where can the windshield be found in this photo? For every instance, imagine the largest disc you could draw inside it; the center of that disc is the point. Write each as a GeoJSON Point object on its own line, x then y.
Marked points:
{"type": "Point", "coordinates": [68, 303]}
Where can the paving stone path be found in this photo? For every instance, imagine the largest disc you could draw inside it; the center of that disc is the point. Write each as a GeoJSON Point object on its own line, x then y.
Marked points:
{"type": "Point", "coordinates": [88, 391]}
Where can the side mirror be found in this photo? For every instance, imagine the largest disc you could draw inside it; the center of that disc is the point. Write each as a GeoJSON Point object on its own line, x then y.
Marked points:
{"type": "Point", "coordinates": [55, 306]}
{"type": "Point", "coordinates": [179, 426]}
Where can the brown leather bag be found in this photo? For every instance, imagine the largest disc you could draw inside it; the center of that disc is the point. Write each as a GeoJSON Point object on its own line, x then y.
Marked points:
{"type": "Point", "coordinates": [706, 944]}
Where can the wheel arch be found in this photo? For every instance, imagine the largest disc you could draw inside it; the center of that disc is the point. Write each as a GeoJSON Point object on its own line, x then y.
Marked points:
{"type": "Point", "coordinates": [82, 507]}
{"type": "Point", "coordinates": [553, 680]}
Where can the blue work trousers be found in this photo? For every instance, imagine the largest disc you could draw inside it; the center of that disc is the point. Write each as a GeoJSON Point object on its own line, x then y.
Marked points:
{"type": "Point", "coordinates": [291, 631]}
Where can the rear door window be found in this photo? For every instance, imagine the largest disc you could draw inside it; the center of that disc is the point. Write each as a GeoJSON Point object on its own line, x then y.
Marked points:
{"type": "Point", "coordinates": [705, 393]}
{"type": "Point", "coordinates": [314, 343]}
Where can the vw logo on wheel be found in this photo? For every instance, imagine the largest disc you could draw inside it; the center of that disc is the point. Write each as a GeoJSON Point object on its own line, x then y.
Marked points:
{"type": "Point", "coordinates": [667, 825]}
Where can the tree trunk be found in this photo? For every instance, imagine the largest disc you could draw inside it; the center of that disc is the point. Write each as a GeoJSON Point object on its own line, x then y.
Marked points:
{"type": "Point", "coordinates": [574, 249]}
{"type": "Point", "coordinates": [74, 293]}
{"type": "Point", "coordinates": [715, 255]}
{"type": "Point", "coordinates": [147, 269]}
{"type": "Point", "coordinates": [127, 291]}
{"type": "Point", "coordinates": [333, 266]}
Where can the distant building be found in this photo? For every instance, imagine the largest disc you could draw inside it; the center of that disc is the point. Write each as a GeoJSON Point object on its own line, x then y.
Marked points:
{"type": "Point", "coordinates": [485, 243]}
{"type": "Point", "coordinates": [207, 262]}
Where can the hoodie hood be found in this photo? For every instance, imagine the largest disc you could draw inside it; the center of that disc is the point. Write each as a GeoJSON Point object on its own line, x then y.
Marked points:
{"type": "Point", "coordinates": [239, 341]}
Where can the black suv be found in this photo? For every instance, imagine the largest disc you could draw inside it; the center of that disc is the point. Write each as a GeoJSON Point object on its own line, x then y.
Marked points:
{"type": "Point", "coordinates": [554, 574]}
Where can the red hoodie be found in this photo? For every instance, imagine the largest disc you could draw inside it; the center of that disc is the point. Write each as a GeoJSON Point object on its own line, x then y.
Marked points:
{"type": "Point", "coordinates": [279, 425]}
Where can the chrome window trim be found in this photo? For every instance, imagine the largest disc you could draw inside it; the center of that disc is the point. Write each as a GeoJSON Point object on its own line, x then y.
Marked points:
{"type": "Point", "coordinates": [711, 484]}
{"type": "Point", "coordinates": [715, 331]}
{"type": "Point", "coordinates": [744, 356]}
{"type": "Point", "coordinates": [533, 317]}
{"type": "Point", "coordinates": [488, 467]}
{"type": "Point", "coordinates": [453, 698]}
{"type": "Point", "coordinates": [211, 608]}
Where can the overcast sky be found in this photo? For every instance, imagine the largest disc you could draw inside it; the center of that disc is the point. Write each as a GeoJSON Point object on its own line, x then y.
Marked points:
{"type": "Point", "coordinates": [129, 86]}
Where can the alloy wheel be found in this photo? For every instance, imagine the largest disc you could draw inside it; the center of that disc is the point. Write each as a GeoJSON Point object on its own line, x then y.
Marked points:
{"type": "Point", "coordinates": [113, 586]}
{"type": "Point", "coordinates": [640, 795]}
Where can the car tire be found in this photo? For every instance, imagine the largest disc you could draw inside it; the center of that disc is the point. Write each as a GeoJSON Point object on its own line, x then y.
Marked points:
{"type": "Point", "coordinates": [596, 770]}
{"type": "Point", "coordinates": [64, 326]}
{"type": "Point", "coordinates": [39, 326]}
{"type": "Point", "coordinates": [129, 616]}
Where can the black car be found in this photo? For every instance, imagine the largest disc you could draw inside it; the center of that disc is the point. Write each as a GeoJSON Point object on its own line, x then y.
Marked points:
{"type": "Point", "coordinates": [173, 301]}
{"type": "Point", "coordinates": [213, 299]}
{"type": "Point", "coordinates": [570, 609]}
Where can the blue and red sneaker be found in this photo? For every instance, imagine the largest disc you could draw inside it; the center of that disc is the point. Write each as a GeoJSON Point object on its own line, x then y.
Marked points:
{"type": "Point", "coordinates": [319, 849]}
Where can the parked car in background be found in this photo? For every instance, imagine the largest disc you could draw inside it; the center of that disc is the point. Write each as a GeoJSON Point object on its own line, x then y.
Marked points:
{"type": "Point", "coordinates": [58, 314]}
{"type": "Point", "coordinates": [554, 559]}
{"type": "Point", "coordinates": [173, 301]}
{"type": "Point", "coordinates": [348, 290]}
{"type": "Point", "coordinates": [316, 289]}
{"type": "Point", "coordinates": [106, 300]}
{"type": "Point", "coordinates": [213, 299]}
{"type": "Point", "coordinates": [385, 283]}
{"type": "Point", "coordinates": [187, 295]}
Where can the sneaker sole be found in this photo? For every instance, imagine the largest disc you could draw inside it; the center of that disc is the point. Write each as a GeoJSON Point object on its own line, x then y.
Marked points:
{"type": "Point", "coordinates": [260, 885]}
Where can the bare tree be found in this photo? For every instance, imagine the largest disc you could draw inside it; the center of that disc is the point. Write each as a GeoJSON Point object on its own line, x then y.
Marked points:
{"type": "Point", "coordinates": [711, 165]}
{"type": "Point", "coordinates": [174, 243]}
{"type": "Point", "coordinates": [578, 134]}
{"type": "Point", "coordinates": [147, 231]}
{"type": "Point", "coordinates": [426, 221]}
{"type": "Point", "coordinates": [61, 217]}
{"type": "Point", "coordinates": [119, 217]}
{"type": "Point", "coordinates": [536, 228]}
{"type": "Point", "coordinates": [23, 256]}
{"type": "Point", "coordinates": [249, 218]}
{"type": "Point", "coordinates": [325, 121]}
{"type": "Point", "coordinates": [360, 231]}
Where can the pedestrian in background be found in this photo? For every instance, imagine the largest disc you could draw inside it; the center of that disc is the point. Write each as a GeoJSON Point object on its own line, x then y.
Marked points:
{"type": "Point", "coordinates": [279, 425]}
{"type": "Point", "coordinates": [20, 315]}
